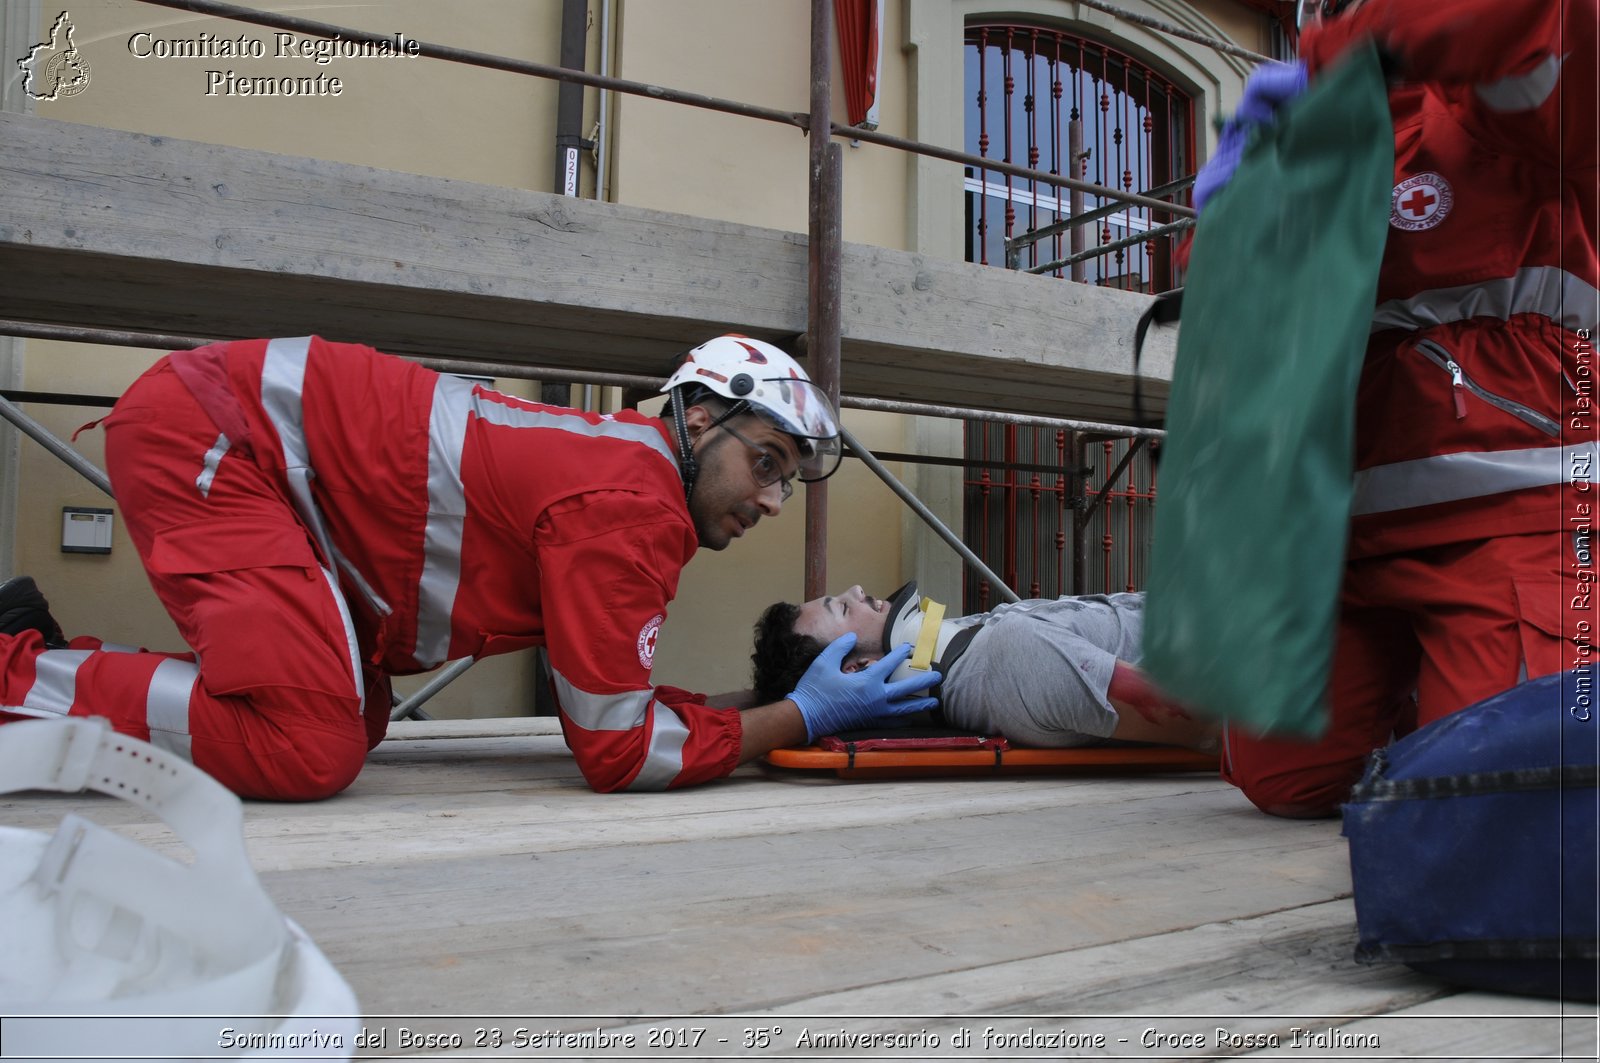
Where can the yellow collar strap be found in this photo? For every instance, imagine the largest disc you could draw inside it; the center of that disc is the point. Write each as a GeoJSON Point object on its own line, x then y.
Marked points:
{"type": "Point", "coordinates": [927, 636]}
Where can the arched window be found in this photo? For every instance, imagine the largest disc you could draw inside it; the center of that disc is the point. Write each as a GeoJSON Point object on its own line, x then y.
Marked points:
{"type": "Point", "coordinates": [1054, 513]}
{"type": "Point", "coordinates": [1059, 102]}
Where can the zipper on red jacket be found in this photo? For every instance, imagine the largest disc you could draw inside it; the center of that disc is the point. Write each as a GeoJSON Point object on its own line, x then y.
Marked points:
{"type": "Point", "coordinates": [1458, 389]}
{"type": "Point", "coordinates": [1461, 383]}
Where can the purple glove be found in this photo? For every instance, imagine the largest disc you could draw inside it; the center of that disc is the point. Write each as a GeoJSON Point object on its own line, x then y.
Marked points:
{"type": "Point", "coordinates": [1270, 87]}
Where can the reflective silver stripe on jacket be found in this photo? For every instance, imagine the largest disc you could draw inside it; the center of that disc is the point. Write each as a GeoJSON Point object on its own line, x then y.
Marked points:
{"type": "Point", "coordinates": [1449, 477]}
{"type": "Point", "coordinates": [455, 403]}
{"type": "Point", "coordinates": [208, 471]}
{"type": "Point", "coordinates": [447, 510]}
{"type": "Point", "coordinates": [166, 706]}
{"type": "Point", "coordinates": [629, 711]}
{"type": "Point", "coordinates": [1523, 92]}
{"type": "Point", "coordinates": [664, 762]}
{"type": "Point", "coordinates": [499, 413]}
{"type": "Point", "coordinates": [352, 647]}
{"type": "Point", "coordinates": [283, 376]}
{"type": "Point", "coordinates": [1566, 299]}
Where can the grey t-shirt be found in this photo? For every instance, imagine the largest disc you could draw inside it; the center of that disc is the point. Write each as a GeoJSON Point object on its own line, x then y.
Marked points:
{"type": "Point", "coordinates": [1038, 670]}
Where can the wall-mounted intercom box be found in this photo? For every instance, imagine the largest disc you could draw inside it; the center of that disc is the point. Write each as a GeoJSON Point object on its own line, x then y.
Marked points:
{"type": "Point", "coordinates": [85, 530]}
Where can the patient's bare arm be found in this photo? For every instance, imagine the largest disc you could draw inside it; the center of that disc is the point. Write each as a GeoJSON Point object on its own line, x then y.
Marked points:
{"type": "Point", "coordinates": [1146, 714]}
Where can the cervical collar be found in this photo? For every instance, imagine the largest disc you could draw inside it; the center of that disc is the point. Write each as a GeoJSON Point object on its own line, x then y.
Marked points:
{"type": "Point", "coordinates": [936, 642]}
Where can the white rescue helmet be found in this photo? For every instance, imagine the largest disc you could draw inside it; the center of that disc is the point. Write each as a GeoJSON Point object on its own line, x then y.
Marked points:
{"type": "Point", "coordinates": [754, 374]}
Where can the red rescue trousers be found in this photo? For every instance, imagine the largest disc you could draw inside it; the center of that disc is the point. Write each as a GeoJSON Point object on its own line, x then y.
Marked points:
{"type": "Point", "coordinates": [275, 701]}
{"type": "Point", "coordinates": [1421, 635]}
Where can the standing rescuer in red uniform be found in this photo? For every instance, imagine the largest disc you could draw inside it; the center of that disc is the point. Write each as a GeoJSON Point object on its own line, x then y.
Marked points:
{"type": "Point", "coordinates": [318, 517]}
{"type": "Point", "coordinates": [1475, 433]}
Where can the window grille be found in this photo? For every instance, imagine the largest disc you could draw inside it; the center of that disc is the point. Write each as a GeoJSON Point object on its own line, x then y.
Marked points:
{"type": "Point", "coordinates": [1069, 105]}
{"type": "Point", "coordinates": [1044, 512]}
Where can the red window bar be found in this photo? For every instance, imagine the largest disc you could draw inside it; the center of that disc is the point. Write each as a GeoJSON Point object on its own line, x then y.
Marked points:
{"type": "Point", "coordinates": [1050, 528]}
{"type": "Point", "coordinates": [1052, 99]}
{"type": "Point", "coordinates": [1116, 515]}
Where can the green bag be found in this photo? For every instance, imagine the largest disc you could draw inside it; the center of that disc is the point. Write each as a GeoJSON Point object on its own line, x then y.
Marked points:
{"type": "Point", "coordinates": [1256, 470]}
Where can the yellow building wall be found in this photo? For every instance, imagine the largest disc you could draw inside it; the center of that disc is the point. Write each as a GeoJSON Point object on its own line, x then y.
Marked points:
{"type": "Point", "coordinates": [706, 163]}
{"type": "Point", "coordinates": [431, 117]}
{"type": "Point", "coordinates": [426, 116]}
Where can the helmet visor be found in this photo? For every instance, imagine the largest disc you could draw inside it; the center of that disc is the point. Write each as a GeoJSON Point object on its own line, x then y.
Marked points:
{"type": "Point", "coordinates": [802, 410]}
{"type": "Point", "coordinates": [820, 458]}
{"type": "Point", "coordinates": [1308, 12]}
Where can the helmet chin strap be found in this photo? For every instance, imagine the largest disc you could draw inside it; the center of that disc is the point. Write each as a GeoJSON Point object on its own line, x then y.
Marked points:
{"type": "Point", "coordinates": [688, 466]}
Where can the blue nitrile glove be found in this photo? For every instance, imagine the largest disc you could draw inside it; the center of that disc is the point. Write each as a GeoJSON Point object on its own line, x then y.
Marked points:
{"type": "Point", "coordinates": [1270, 87]}
{"type": "Point", "coordinates": [831, 700]}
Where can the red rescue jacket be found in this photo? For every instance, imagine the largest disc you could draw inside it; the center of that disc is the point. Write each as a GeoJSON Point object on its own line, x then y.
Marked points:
{"type": "Point", "coordinates": [464, 522]}
{"type": "Point", "coordinates": [1475, 413]}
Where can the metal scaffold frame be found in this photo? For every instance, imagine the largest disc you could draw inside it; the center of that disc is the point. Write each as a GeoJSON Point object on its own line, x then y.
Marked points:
{"type": "Point", "coordinates": [822, 338]}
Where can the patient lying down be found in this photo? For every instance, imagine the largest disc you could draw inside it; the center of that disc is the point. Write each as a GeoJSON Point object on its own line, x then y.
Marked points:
{"type": "Point", "coordinates": [1042, 672]}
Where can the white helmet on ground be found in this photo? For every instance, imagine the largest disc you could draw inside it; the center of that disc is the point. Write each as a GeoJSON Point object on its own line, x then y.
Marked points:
{"type": "Point", "coordinates": [100, 931]}
{"type": "Point", "coordinates": [756, 376]}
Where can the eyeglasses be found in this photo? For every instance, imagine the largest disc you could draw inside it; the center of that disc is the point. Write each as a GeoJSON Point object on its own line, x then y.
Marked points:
{"type": "Point", "coordinates": [765, 468]}
{"type": "Point", "coordinates": [1309, 11]}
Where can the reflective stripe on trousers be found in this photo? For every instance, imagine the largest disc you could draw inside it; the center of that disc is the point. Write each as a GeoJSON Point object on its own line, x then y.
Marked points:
{"type": "Point", "coordinates": [55, 689]}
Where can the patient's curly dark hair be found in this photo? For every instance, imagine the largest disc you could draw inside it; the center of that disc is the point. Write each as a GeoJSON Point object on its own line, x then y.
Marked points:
{"type": "Point", "coordinates": [782, 654]}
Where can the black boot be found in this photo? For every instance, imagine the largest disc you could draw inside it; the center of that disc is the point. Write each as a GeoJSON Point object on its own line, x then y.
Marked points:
{"type": "Point", "coordinates": [23, 608]}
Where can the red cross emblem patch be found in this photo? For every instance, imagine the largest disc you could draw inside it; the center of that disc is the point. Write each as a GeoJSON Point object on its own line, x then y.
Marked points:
{"type": "Point", "coordinates": [647, 639]}
{"type": "Point", "coordinates": [1420, 202]}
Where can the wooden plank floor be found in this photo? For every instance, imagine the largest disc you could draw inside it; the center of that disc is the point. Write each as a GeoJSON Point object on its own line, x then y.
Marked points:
{"type": "Point", "coordinates": [469, 872]}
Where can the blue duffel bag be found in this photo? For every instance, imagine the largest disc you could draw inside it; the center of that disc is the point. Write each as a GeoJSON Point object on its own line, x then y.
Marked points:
{"type": "Point", "coordinates": [1473, 844]}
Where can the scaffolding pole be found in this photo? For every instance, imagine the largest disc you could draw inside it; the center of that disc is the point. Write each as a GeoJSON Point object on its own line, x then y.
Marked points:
{"type": "Point", "coordinates": [520, 371]}
{"type": "Point", "coordinates": [928, 516]}
{"type": "Point", "coordinates": [526, 67]}
{"type": "Point", "coordinates": [824, 263]}
{"type": "Point", "coordinates": [47, 439]}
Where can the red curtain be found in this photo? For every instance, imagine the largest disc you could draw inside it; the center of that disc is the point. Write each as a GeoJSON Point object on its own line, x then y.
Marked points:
{"type": "Point", "coordinates": [858, 53]}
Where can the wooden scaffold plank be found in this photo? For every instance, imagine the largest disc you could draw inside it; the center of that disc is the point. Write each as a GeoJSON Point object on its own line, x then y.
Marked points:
{"type": "Point", "coordinates": [112, 229]}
